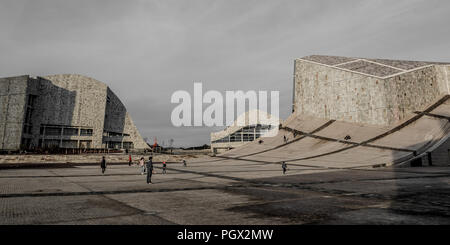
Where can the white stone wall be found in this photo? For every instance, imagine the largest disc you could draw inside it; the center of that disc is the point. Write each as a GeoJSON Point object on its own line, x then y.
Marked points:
{"type": "Point", "coordinates": [12, 105]}
{"type": "Point", "coordinates": [331, 93]}
{"type": "Point", "coordinates": [443, 78]}
{"type": "Point", "coordinates": [71, 99]}
{"type": "Point", "coordinates": [135, 136]}
{"type": "Point", "coordinates": [409, 92]}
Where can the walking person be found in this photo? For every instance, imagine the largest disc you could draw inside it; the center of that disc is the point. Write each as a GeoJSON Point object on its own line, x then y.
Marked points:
{"type": "Point", "coordinates": [164, 167]}
{"type": "Point", "coordinates": [149, 170]}
{"type": "Point", "coordinates": [184, 162]}
{"type": "Point", "coordinates": [129, 160]}
{"type": "Point", "coordinates": [103, 164]}
{"type": "Point", "coordinates": [142, 165]}
{"type": "Point", "coordinates": [284, 166]}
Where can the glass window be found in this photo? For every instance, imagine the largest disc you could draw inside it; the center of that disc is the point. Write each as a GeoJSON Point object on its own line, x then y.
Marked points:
{"type": "Point", "coordinates": [69, 144]}
{"type": "Point", "coordinates": [247, 137]}
{"type": "Point", "coordinates": [86, 132]}
{"type": "Point", "coordinates": [51, 143]}
{"type": "Point", "coordinates": [70, 131]}
{"type": "Point", "coordinates": [114, 145]}
{"type": "Point", "coordinates": [53, 131]}
{"type": "Point", "coordinates": [128, 145]}
{"type": "Point", "coordinates": [235, 138]}
{"type": "Point", "coordinates": [223, 140]}
{"type": "Point", "coordinates": [27, 129]}
{"type": "Point", "coordinates": [113, 134]}
{"type": "Point", "coordinates": [31, 99]}
{"type": "Point", "coordinates": [28, 114]}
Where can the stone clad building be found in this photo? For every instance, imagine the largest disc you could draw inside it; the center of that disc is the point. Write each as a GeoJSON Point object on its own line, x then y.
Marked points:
{"type": "Point", "coordinates": [63, 111]}
{"type": "Point", "coordinates": [371, 91]}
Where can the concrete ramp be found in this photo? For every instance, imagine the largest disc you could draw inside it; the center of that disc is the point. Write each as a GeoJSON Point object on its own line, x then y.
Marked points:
{"type": "Point", "coordinates": [420, 139]}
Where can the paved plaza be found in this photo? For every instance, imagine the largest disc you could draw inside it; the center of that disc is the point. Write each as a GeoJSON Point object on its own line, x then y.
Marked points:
{"type": "Point", "coordinates": [225, 191]}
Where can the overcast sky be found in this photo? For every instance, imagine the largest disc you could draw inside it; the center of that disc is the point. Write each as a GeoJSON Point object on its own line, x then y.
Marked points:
{"type": "Point", "coordinates": [146, 50]}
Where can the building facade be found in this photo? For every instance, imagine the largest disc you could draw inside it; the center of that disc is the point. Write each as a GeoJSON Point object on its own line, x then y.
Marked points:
{"type": "Point", "coordinates": [63, 111]}
{"type": "Point", "coordinates": [247, 127]}
{"type": "Point", "coordinates": [371, 91]}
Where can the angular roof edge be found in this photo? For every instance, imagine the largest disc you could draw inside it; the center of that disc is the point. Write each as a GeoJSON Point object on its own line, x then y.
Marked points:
{"type": "Point", "coordinates": [378, 68]}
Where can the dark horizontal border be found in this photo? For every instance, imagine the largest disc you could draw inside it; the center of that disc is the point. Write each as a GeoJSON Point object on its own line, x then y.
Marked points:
{"type": "Point", "coordinates": [291, 234]}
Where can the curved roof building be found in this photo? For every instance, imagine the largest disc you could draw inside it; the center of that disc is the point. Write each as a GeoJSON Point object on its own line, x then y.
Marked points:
{"type": "Point", "coordinates": [63, 111]}
{"type": "Point", "coordinates": [246, 128]}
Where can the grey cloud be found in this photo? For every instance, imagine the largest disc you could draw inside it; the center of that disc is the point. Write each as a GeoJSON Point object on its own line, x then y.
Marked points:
{"type": "Point", "coordinates": [146, 50]}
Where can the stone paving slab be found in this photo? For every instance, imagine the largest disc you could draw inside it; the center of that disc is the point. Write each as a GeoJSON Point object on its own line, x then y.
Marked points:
{"type": "Point", "coordinates": [48, 210]}
{"type": "Point", "coordinates": [225, 192]}
{"type": "Point", "coordinates": [207, 207]}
